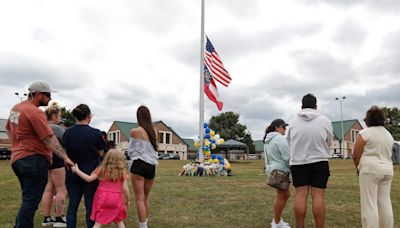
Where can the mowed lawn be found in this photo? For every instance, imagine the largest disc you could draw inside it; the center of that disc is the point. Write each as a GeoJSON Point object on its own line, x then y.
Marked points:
{"type": "Point", "coordinates": [242, 200]}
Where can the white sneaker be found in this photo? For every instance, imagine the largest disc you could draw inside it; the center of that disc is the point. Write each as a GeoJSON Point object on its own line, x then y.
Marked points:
{"type": "Point", "coordinates": [281, 224]}
{"type": "Point", "coordinates": [285, 223]}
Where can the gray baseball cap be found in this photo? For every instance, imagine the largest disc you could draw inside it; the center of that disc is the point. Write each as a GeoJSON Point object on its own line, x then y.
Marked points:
{"type": "Point", "coordinates": [40, 87]}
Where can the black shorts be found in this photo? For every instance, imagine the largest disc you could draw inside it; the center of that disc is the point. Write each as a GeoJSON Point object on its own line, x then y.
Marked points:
{"type": "Point", "coordinates": [313, 174]}
{"type": "Point", "coordinates": [143, 169]}
{"type": "Point", "coordinates": [57, 162]}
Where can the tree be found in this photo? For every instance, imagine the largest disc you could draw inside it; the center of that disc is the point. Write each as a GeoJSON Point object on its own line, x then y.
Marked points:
{"type": "Point", "coordinates": [67, 117]}
{"type": "Point", "coordinates": [227, 126]}
{"type": "Point", "coordinates": [393, 121]}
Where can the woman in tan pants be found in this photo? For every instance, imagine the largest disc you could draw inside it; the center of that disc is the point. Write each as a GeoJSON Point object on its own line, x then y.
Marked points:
{"type": "Point", "coordinates": [372, 158]}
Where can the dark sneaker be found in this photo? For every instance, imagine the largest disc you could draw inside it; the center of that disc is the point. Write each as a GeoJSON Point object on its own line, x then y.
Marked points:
{"type": "Point", "coordinates": [47, 221]}
{"type": "Point", "coordinates": [60, 222]}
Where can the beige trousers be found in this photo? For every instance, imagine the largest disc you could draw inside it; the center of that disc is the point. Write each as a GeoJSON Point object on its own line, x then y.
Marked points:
{"type": "Point", "coordinates": [376, 206]}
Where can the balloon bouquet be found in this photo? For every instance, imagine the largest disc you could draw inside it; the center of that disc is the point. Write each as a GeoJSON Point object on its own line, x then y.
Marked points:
{"type": "Point", "coordinates": [210, 142]}
{"type": "Point", "coordinates": [213, 164]}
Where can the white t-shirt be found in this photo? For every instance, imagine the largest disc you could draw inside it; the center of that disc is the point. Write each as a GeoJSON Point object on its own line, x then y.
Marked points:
{"type": "Point", "coordinates": [376, 157]}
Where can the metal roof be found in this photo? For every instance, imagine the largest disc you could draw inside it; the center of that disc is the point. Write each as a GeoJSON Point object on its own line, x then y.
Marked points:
{"type": "Point", "coordinates": [337, 127]}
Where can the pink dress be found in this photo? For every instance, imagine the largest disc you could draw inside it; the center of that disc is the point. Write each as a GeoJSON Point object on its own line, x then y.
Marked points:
{"type": "Point", "coordinates": [108, 203]}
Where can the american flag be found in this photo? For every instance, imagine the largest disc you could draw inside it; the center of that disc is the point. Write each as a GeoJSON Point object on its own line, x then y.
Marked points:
{"type": "Point", "coordinates": [215, 66]}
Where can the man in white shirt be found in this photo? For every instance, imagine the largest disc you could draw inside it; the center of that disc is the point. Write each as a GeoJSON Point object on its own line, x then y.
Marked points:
{"type": "Point", "coordinates": [310, 136]}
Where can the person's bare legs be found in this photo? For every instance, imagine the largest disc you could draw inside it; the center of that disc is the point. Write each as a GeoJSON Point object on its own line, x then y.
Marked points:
{"type": "Point", "coordinates": [281, 198]}
{"type": "Point", "coordinates": [148, 183]}
{"type": "Point", "coordinates": [58, 178]}
{"type": "Point", "coordinates": [318, 206]}
{"type": "Point", "coordinates": [96, 225]}
{"type": "Point", "coordinates": [121, 224]}
{"type": "Point", "coordinates": [300, 205]}
{"type": "Point", "coordinates": [47, 198]}
{"type": "Point", "coordinates": [138, 183]}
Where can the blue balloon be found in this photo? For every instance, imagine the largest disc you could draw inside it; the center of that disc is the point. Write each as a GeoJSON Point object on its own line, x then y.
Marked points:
{"type": "Point", "coordinates": [213, 156]}
{"type": "Point", "coordinates": [207, 136]}
{"type": "Point", "coordinates": [221, 162]}
{"type": "Point", "coordinates": [205, 125]}
{"type": "Point", "coordinates": [219, 157]}
{"type": "Point", "coordinates": [207, 130]}
{"type": "Point", "coordinates": [212, 141]}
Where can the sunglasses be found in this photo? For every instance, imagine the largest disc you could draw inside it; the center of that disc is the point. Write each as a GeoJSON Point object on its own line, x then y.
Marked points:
{"type": "Point", "coordinates": [47, 94]}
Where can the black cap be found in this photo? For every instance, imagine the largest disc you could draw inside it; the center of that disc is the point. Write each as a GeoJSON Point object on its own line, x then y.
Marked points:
{"type": "Point", "coordinates": [279, 122]}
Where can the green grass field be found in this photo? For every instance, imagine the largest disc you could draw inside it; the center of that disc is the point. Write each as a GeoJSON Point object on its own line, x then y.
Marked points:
{"type": "Point", "coordinates": [242, 200]}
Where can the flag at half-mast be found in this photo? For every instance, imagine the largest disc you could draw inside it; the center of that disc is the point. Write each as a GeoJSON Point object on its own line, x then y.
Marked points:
{"type": "Point", "coordinates": [215, 66]}
{"type": "Point", "coordinates": [211, 90]}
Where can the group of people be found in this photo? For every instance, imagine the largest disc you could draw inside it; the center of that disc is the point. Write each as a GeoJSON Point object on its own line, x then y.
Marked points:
{"type": "Point", "coordinates": [52, 162]}
{"type": "Point", "coordinates": [304, 153]}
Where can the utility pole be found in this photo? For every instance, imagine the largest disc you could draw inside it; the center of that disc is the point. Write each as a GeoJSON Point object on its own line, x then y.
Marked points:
{"type": "Point", "coordinates": [341, 100]}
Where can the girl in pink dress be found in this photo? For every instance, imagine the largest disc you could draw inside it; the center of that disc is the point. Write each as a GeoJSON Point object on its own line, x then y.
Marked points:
{"type": "Point", "coordinates": [112, 199]}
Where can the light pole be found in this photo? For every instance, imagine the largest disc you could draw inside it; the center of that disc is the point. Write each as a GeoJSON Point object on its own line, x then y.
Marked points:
{"type": "Point", "coordinates": [341, 100]}
{"type": "Point", "coordinates": [20, 97]}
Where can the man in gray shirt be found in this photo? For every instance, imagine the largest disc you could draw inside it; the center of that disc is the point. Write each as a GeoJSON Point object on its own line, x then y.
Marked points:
{"type": "Point", "coordinates": [310, 136]}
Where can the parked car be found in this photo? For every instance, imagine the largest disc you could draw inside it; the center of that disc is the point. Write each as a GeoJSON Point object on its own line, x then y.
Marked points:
{"type": "Point", "coordinates": [5, 153]}
{"type": "Point", "coordinates": [336, 156]}
{"type": "Point", "coordinates": [168, 157]}
{"type": "Point", "coordinates": [252, 157]}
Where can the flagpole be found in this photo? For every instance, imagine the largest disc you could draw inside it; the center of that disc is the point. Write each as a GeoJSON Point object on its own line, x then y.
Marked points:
{"type": "Point", "coordinates": [201, 100]}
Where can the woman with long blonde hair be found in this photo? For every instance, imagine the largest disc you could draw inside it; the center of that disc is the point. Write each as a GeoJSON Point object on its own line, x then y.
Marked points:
{"type": "Point", "coordinates": [112, 199]}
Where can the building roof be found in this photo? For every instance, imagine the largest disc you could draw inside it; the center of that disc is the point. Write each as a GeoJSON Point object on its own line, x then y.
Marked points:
{"type": "Point", "coordinates": [337, 128]}
{"type": "Point", "coordinates": [233, 143]}
{"type": "Point", "coordinates": [126, 127]}
{"type": "Point", "coordinates": [190, 143]}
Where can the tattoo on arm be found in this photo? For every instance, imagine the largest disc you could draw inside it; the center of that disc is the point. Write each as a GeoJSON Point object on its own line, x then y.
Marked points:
{"type": "Point", "coordinates": [53, 144]}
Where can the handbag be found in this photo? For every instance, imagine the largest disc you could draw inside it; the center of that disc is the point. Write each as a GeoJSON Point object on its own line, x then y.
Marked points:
{"type": "Point", "coordinates": [279, 179]}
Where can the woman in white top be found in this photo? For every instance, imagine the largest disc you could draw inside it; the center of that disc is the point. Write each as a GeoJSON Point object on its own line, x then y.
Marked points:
{"type": "Point", "coordinates": [372, 157]}
{"type": "Point", "coordinates": [142, 151]}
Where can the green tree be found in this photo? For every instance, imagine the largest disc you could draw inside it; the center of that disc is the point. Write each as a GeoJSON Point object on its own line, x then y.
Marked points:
{"type": "Point", "coordinates": [393, 121]}
{"type": "Point", "coordinates": [227, 126]}
{"type": "Point", "coordinates": [67, 117]}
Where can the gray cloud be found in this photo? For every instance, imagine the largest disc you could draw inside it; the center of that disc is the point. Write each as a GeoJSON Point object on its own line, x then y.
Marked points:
{"type": "Point", "coordinates": [385, 66]}
{"type": "Point", "coordinates": [233, 44]}
{"type": "Point", "coordinates": [350, 34]}
{"type": "Point", "coordinates": [323, 69]}
{"type": "Point", "coordinates": [392, 6]}
{"type": "Point", "coordinates": [20, 71]}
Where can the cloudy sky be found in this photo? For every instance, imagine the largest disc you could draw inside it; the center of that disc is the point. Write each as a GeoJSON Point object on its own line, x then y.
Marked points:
{"type": "Point", "coordinates": [117, 55]}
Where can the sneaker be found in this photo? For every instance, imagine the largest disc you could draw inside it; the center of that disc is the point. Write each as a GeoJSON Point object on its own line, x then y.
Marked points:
{"type": "Point", "coordinates": [60, 222]}
{"type": "Point", "coordinates": [47, 221]}
{"type": "Point", "coordinates": [281, 224]}
{"type": "Point", "coordinates": [285, 223]}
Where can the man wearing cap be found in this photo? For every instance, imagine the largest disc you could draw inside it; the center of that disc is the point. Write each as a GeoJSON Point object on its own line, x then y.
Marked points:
{"type": "Point", "coordinates": [33, 143]}
{"type": "Point", "coordinates": [310, 136]}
